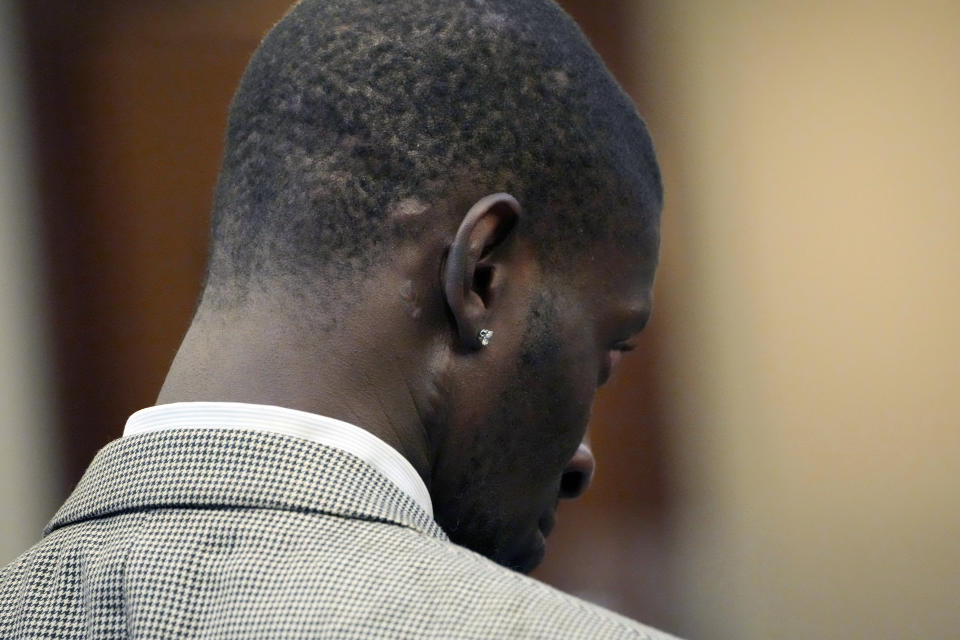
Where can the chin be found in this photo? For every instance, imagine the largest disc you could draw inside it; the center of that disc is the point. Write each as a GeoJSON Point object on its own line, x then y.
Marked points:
{"type": "Point", "coordinates": [528, 557]}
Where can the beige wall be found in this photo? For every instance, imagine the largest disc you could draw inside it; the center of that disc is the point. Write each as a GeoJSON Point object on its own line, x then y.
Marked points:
{"type": "Point", "coordinates": [810, 290]}
{"type": "Point", "coordinates": [29, 479]}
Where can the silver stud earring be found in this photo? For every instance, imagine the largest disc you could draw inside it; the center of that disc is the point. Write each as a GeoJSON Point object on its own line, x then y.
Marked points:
{"type": "Point", "coordinates": [484, 337]}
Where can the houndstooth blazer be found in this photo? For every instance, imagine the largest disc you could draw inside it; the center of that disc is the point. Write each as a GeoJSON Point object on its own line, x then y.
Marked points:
{"type": "Point", "coordinates": [244, 534]}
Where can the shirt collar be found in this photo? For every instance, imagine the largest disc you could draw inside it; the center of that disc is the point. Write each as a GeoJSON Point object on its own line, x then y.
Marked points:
{"type": "Point", "coordinates": [300, 424]}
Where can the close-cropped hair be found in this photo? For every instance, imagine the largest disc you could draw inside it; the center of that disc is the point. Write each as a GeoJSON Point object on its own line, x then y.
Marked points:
{"type": "Point", "coordinates": [357, 120]}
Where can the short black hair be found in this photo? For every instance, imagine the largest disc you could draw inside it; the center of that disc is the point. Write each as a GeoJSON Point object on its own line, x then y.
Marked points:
{"type": "Point", "coordinates": [354, 114]}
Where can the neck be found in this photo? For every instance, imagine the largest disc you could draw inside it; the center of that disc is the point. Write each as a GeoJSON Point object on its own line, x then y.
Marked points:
{"type": "Point", "coordinates": [262, 357]}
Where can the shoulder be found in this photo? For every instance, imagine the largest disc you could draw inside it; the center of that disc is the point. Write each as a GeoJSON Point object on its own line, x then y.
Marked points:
{"type": "Point", "coordinates": [394, 581]}
{"type": "Point", "coordinates": [498, 602]}
{"type": "Point", "coordinates": [281, 573]}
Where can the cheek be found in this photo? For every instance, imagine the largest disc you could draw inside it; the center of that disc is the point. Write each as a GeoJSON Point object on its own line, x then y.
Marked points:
{"type": "Point", "coordinates": [543, 420]}
{"type": "Point", "coordinates": [567, 409]}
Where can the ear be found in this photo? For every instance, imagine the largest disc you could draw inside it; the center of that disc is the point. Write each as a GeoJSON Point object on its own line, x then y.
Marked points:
{"type": "Point", "coordinates": [470, 273]}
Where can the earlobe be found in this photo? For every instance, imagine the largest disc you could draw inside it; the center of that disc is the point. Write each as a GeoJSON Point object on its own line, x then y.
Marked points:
{"type": "Point", "coordinates": [468, 272]}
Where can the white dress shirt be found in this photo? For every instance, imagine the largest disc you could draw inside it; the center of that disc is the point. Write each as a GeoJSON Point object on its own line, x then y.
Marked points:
{"type": "Point", "coordinates": [289, 422]}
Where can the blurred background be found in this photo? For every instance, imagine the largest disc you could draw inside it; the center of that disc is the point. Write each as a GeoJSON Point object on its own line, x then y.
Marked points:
{"type": "Point", "coordinates": [778, 459]}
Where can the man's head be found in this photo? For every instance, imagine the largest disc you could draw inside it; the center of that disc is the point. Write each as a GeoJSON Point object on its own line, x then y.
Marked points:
{"type": "Point", "coordinates": [398, 176]}
{"type": "Point", "coordinates": [354, 119]}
